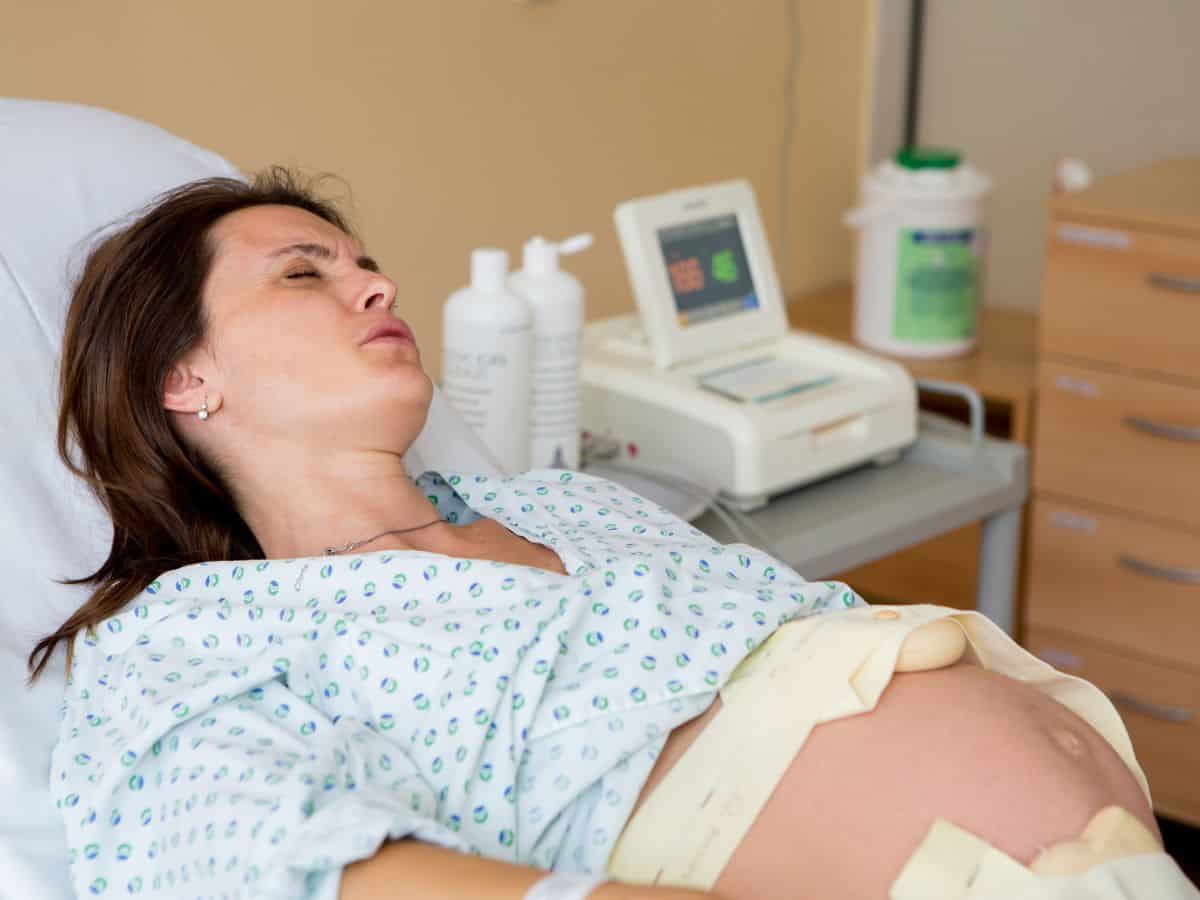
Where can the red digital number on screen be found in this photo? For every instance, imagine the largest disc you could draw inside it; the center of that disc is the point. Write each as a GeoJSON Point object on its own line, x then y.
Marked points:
{"type": "Point", "coordinates": [687, 275]}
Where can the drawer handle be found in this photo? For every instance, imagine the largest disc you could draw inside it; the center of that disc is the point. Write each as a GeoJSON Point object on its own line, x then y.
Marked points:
{"type": "Point", "coordinates": [1174, 283]}
{"type": "Point", "coordinates": [1170, 713]}
{"type": "Point", "coordinates": [1170, 432]}
{"type": "Point", "coordinates": [1165, 573]}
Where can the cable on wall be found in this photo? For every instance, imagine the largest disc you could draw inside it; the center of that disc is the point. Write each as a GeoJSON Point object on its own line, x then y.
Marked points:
{"type": "Point", "coordinates": [785, 146]}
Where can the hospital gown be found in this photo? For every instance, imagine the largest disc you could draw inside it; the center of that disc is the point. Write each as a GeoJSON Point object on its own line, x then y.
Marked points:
{"type": "Point", "coordinates": [248, 728]}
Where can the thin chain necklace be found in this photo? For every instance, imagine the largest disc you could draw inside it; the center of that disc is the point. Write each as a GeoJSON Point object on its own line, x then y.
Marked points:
{"type": "Point", "coordinates": [345, 548]}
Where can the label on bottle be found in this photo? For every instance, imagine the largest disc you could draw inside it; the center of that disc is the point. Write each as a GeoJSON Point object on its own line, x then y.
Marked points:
{"type": "Point", "coordinates": [486, 379]}
{"type": "Point", "coordinates": [466, 377]}
{"type": "Point", "coordinates": [937, 282]}
{"type": "Point", "coordinates": [554, 421]}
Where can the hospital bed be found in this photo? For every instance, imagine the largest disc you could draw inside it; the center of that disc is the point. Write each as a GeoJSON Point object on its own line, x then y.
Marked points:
{"type": "Point", "coordinates": [71, 170]}
{"type": "Point", "coordinates": [68, 171]}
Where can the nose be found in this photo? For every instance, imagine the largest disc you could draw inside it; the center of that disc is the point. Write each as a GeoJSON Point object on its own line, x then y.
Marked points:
{"type": "Point", "coordinates": [380, 291]}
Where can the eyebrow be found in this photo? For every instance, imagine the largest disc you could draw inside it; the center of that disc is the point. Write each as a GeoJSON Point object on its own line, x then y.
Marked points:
{"type": "Point", "coordinates": [320, 251]}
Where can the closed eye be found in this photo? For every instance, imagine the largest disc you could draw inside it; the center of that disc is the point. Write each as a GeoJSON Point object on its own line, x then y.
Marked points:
{"type": "Point", "coordinates": [307, 273]}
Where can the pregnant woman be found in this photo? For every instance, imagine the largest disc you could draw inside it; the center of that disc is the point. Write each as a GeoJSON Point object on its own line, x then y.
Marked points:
{"type": "Point", "coordinates": [304, 673]}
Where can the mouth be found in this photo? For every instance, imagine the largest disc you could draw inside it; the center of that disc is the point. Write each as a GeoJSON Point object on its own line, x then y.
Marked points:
{"type": "Point", "coordinates": [389, 339]}
{"type": "Point", "coordinates": [390, 333]}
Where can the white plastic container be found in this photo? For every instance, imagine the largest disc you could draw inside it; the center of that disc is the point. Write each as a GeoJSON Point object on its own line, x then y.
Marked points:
{"type": "Point", "coordinates": [556, 300]}
{"type": "Point", "coordinates": [919, 271]}
{"type": "Point", "coordinates": [487, 356]}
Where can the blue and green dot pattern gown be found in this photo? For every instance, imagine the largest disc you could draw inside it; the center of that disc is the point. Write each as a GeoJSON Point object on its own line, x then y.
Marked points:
{"type": "Point", "coordinates": [248, 728]}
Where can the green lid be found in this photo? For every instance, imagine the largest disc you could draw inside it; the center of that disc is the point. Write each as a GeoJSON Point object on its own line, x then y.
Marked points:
{"type": "Point", "coordinates": [927, 158]}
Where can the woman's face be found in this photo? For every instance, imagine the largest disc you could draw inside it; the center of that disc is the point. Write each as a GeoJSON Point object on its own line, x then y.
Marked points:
{"type": "Point", "coordinates": [291, 301]}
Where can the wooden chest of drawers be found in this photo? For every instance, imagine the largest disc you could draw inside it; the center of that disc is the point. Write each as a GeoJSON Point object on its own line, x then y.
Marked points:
{"type": "Point", "coordinates": [1114, 563]}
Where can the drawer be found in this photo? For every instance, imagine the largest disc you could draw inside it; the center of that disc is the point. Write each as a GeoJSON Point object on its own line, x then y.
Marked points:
{"type": "Point", "coordinates": [1116, 580]}
{"type": "Point", "coordinates": [1159, 704]}
{"type": "Point", "coordinates": [1129, 298]}
{"type": "Point", "coordinates": [1119, 441]}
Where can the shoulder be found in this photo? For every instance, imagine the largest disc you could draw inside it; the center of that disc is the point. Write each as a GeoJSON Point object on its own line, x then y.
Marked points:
{"type": "Point", "coordinates": [442, 493]}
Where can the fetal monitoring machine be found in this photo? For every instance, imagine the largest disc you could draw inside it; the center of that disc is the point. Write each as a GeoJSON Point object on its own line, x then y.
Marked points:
{"type": "Point", "coordinates": [707, 382]}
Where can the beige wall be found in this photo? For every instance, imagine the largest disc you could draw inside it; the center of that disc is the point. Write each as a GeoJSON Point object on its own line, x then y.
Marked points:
{"type": "Point", "coordinates": [888, 33]}
{"type": "Point", "coordinates": [1016, 83]}
{"type": "Point", "coordinates": [476, 122]}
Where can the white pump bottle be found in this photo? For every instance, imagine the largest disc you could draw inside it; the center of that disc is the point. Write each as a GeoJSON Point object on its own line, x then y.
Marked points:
{"type": "Point", "coordinates": [556, 300]}
{"type": "Point", "coordinates": [487, 341]}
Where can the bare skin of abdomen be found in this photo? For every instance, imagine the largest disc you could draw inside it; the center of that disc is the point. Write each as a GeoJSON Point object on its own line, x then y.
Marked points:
{"type": "Point", "coordinates": [984, 751]}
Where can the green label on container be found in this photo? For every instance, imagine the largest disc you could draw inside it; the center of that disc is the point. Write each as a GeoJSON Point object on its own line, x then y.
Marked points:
{"type": "Point", "coordinates": [937, 282]}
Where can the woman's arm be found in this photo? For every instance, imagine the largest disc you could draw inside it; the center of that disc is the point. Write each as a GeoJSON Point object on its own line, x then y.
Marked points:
{"type": "Point", "coordinates": [413, 870]}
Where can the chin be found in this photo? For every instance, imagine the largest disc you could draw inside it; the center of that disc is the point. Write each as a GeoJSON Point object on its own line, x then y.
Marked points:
{"type": "Point", "coordinates": [404, 375]}
{"type": "Point", "coordinates": [427, 396]}
{"type": "Point", "coordinates": [396, 396]}
{"type": "Point", "coordinates": [422, 378]}
{"type": "Point", "coordinates": [413, 395]}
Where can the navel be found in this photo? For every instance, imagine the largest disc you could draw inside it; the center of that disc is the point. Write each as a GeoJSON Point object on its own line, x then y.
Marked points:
{"type": "Point", "coordinates": [1068, 741]}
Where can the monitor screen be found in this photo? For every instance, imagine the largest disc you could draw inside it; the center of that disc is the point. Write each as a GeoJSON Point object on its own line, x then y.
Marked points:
{"type": "Point", "coordinates": [709, 272]}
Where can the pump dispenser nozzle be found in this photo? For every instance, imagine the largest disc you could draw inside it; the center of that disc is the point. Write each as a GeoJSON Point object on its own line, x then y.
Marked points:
{"type": "Point", "coordinates": [541, 255]}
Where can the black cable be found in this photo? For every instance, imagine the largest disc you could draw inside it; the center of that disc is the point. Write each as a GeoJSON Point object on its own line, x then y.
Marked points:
{"type": "Point", "coordinates": [912, 97]}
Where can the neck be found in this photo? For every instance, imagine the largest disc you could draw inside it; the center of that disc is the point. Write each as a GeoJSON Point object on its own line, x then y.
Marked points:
{"type": "Point", "coordinates": [299, 507]}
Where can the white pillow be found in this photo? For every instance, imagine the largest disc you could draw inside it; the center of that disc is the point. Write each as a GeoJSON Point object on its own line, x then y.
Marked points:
{"type": "Point", "coordinates": [66, 171]}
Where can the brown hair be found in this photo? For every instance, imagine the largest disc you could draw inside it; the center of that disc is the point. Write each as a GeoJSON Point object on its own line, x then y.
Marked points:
{"type": "Point", "coordinates": [136, 308]}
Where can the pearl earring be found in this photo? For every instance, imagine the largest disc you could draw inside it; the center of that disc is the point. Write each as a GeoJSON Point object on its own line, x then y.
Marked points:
{"type": "Point", "coordinates": [203, 413]}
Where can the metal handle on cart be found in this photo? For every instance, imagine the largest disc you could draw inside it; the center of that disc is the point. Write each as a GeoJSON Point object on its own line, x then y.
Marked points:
{"type": "Point", "coordinates": [967, 393]}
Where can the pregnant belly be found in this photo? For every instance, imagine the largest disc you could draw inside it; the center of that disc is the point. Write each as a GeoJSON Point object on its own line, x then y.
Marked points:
{"type": "Point", "coordinates": [984, 751]}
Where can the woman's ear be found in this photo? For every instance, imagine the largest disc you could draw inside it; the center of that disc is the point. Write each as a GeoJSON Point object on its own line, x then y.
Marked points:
{"type": "Point", "coordinates": [184, 391]}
